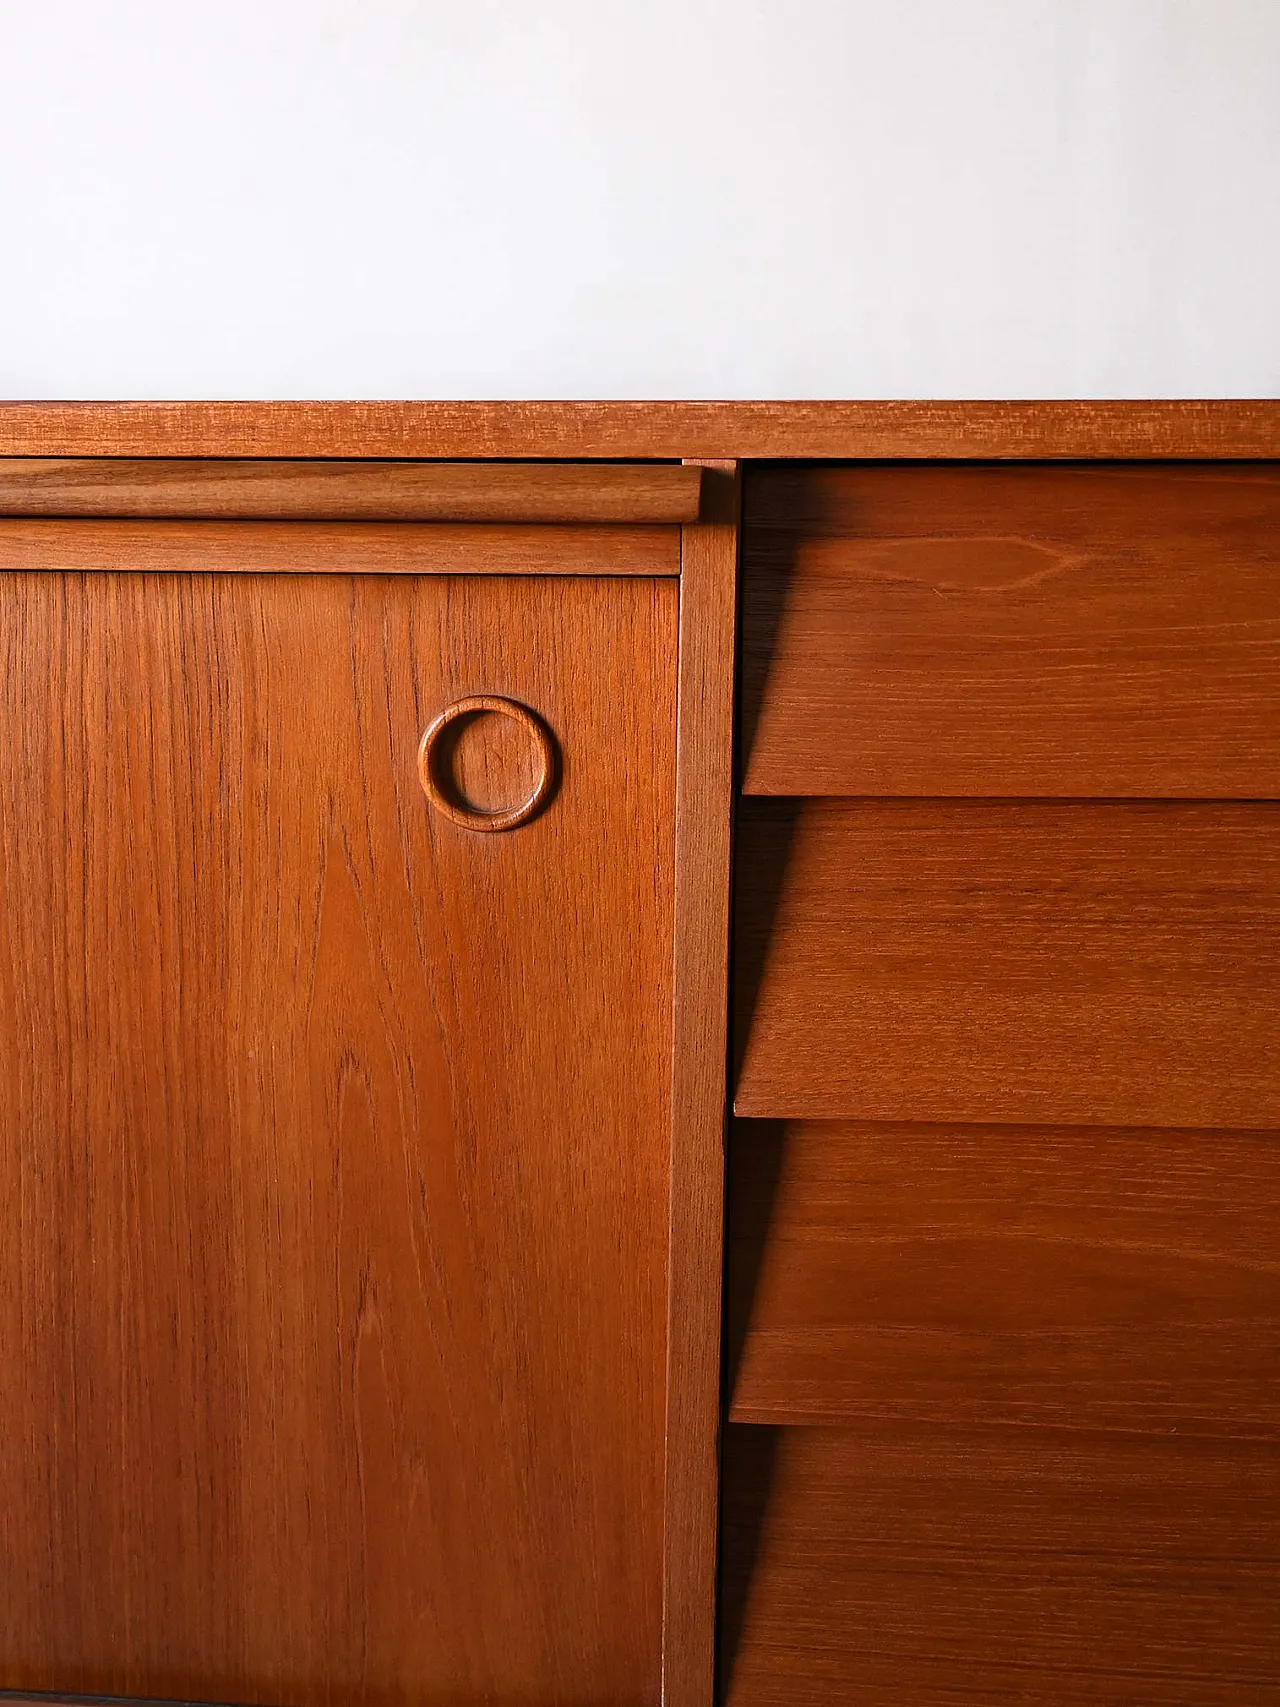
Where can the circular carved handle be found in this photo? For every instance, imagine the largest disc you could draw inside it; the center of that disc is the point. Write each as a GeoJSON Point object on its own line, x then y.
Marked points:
{"type": "Point", "coordinates": [437, 780]}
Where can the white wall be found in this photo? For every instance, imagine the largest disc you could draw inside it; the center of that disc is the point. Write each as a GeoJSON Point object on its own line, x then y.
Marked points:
{"type": "Point", "coordinates": [701, 198]}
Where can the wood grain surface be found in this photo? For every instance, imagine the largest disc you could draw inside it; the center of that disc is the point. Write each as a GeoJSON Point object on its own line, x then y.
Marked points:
{"type": "Point", "coordinates": [1013, 630]}
{"type": "Point", "coordinates": [1073, 1276]}
{"type": "Point", "coordinates": [350, 491]}
{"type": "Point", "coordinates": [704, 820]}
{"type": "Point", "coordinates": [1076, 428]}
{"type": "Point", "coordinates": [334, 1166]}
{"type": "Point", "coordinates": [55, 1698]}
{"type": "Point", "coordinates": [965, 1567]}
{"type": "Point", "coordinates": [1085, 963]}
{"type": "Point", "coordinates": [343, 548]}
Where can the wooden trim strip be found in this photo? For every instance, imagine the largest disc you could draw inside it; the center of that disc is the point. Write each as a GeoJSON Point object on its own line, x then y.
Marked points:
{"type": "Point", "coordinates": [20, 1698]}
{"type": "Point", "coordinates": [1184, 428]}
{"type": "Point", "coordinates": [336, 548]}
{"type": "Point", "coordinates": [350, 491]}
{"type": "Point", "coordinates": [704, 816]}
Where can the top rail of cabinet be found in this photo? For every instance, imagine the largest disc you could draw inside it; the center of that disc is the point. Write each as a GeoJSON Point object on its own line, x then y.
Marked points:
{"type": "Point", "coordinates": [1177, 429]}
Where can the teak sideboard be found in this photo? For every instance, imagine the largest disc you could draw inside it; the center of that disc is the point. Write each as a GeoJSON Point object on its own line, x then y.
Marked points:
{"type": "Point", "coordinates": [640, 1054]}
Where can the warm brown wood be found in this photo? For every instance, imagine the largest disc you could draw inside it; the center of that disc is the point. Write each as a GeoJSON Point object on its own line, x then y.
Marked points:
{"type": "Point", "coordinates": [1015, 630]}
{"type": "Point", "coordinates": [1183, 428]}
{"type": "Point", "coordinates": [704, 817]}
{"type": "Point", "coordinates": [344, 548]}
{"type": "Point", "coordinates": [1029, 1275]}
{"type": "Point", "coordinates": [334, 1167]}
{"type": "Point", "coordinates": [963, 1567]}
{"type": "Point", "coordinates": [1087, 963]}
{"type": "Point", "coordinates": [512, 741]}
{"type": "Point", "coordinates": [226, 489]}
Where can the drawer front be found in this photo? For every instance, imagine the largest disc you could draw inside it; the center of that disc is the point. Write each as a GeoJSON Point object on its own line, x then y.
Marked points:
{"type": "Point", "coordinates": [1107, 631]}
{"type": "Point", "coordinates": [336, 1137]}
{"type": "Point", "coordinates": [989, 961]}
{"type": "Point", "coordinates": [960, 1567]}
{"type": "Point", "coordinates": [1039, 1277]}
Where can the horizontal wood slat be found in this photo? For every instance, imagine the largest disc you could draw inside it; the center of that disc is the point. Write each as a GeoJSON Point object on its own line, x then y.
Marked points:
{"type": "Point", "coordinates": [1112, 964]}
{"type": "Point", "coordinates": [1214, 427]}
{"type": "Point", "coordinates": [341, 548]}
{"type": "Point", "coordinates": [350, 491]}
{"type": "Point", "coordinates": [966, 1567]}
{"type": "Point", "coordinates": [1033, 1275]}
{"type": "Point", "coordinates": [1013, 630]}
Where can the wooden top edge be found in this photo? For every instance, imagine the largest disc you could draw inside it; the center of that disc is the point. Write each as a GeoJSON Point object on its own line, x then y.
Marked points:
{"type": "Point", "coordinates": [1185, 428]}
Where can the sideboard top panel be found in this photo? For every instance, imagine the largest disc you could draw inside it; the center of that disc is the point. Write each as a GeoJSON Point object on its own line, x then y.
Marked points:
{"type": "Point", "coordinates": [1168, 429]}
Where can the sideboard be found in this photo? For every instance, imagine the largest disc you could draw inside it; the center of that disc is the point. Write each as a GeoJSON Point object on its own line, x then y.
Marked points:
{"type": "Point", "coordinates": [640, 1047]}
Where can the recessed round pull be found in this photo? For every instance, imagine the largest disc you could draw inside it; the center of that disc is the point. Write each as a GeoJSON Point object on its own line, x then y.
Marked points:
{"type": "Point", "coordinates": [444, 777]}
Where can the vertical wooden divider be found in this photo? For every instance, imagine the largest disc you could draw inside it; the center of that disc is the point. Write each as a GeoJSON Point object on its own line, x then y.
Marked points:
{"type": "Point", "coordinates": [704, 815]}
